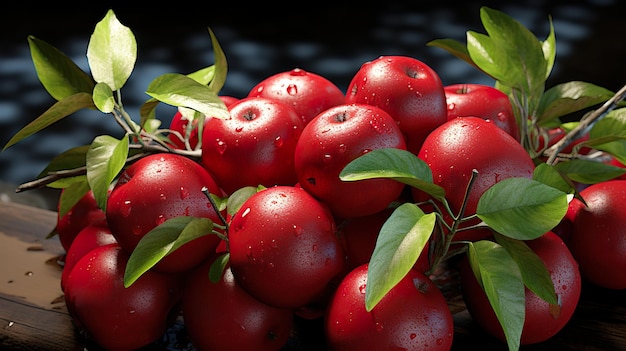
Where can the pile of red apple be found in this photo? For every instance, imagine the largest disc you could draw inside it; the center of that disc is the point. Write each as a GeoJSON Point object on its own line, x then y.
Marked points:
{"type": "Point", "coordinates": [242, 225]}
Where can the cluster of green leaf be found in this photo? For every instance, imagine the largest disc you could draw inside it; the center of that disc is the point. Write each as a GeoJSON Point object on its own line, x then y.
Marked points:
{"type": "Point", "coordinates": [111, 54]}
{"type": "Point", "coordinates": [506, 266]}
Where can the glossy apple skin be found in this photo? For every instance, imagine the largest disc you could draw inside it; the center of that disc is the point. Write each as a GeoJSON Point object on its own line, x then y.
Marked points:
{"type": "Point", "coordinates": [597, 236]}
{"type": "Point", "coordinates": [482, 101]}
{"type": "Point", "coordinates": [461, 145]}
{"type": "Point", "coordinates": [406, 88]}
{"type": "Point", "coordinates": [82, 214]}
{"type": "Point", "coordinates": [255, 146]}
{"type": "Point", "coordinates": [154, 189]}
{"type": "Point", "coordinates": [117, 317]}
{"type": "Point", "coordinates": [542, 321]}
{"type": "Point", "coordinates": [89, 238]}
{"type": "Point", "coordinates": [283, 247]}
{"type": "Point", "coordinates": [223, 316]}
{"type": "Point", "coordinates": [333, 139]}
{"type": "Point", "coordinates": [414, 315]}
{"type": "Point", "coordinates": [306, 92]}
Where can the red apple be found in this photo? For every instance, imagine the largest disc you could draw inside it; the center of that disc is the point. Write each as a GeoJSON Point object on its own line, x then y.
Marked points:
{"type": "Point", "coordinates": [482, 101]}
{"type": "Point", "coordinates": [406, 88]}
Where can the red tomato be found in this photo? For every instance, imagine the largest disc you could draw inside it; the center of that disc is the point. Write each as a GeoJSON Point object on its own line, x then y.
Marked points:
{"type": "Point", "coordinates": [255, 146]}
{"type": "Point", "coordinates": [223, 316]}
{"type": "Point", "coordinates": [283, 248]}
{"type": "Point", "coordinates": [333, 139]}
{"type": "Point", "coordinates": [306, 92]}
{"type": "Point", "coordinates": [113, 316]}
{"type": "Point", "coordinates": [406, 88]}
{"type": "Point", "coordinates": [542, 321]}
{"type": "Point", "coordinates": [598, 234]}
{"type": "Point", "coordinates": [413, 316]}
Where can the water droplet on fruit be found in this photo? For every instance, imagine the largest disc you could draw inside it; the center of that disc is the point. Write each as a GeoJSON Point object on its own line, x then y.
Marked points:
{"type": "Point", "coordinates": [297, 230]}
{"type": "Point", "coordinates": [238, 129]}
{"type": "Point", "coordinates": [278, 141]}
{"type": "Point", "coordinates": [137, 230]}
{"type": "Point", "coordinates": [418, 94]}
{"type": "Point", "coordinates": [163, 197]}
{"type": "Point", "coordinates": [439, 341]}
{"type": "Point", "coordinates": [126, 208]}
{"type": "Point", "coordinates": [220, 146]}
{"type": "Point", "coordinates": [412, 336]}
{"type": "Point", "coordinates": [451, 107]}
{"type": "Point", "coordinates": [259, 90]}
{"type": "Point", "coordinates": [160, 219]}
{"type": "Point", "coordinates": [184, 193]}
{"type": "Point", "coordinates": [501, 117]}
{"type": "Point", "coordinates": [292, 89]}
{"type": "Point", "coordinates": [379, 327]}
{"type": "Point", "coordinates": [327, 159]}
{"type": "Point", "coordinates": [245, 212]}
{"type": "Point", "coordinates": [362, 288]}
{"type": "Point", "coordinates": [298, 72]}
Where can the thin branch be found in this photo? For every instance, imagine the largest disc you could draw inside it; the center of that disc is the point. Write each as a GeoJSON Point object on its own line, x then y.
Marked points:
{"type": "Point", "coordinates": [584, 126]}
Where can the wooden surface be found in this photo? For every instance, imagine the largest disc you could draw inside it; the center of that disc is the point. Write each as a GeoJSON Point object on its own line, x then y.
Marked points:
{"type": "Point", "coordinates": [33, 314]}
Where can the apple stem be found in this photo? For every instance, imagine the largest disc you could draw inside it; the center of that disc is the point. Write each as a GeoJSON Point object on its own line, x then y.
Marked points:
{"type": "Point", "coordinates": [206, 193]}
{"type": "Point", "coordinates": [586, 123]}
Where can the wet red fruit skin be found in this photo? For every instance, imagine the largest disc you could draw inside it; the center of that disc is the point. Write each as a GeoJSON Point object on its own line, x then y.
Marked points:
{"type": "Point", "coordinates": [598, 234]}
{"type": "Point", "coordinates": [283, 247]}
{"type": "Point", "coordinates": [117, 317]}
{"type": "Point", "coordinates": [83, 213]}
{"type": "Point", "coordinates": [306, 92]}
{"type": "Point", "coordinates": [91, 237]}
{"type": "Point", "coordinates": [413, 316]}
{"type": "Point", "coordinates": [223, 316]}
{"type": "Point", "coordinates": [542, 320]}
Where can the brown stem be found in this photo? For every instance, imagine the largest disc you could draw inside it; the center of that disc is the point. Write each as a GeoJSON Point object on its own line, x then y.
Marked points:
{"type": "Point", "coordinates": [67, 173]}
{"type": "Point", "coordinates": [584, 126]}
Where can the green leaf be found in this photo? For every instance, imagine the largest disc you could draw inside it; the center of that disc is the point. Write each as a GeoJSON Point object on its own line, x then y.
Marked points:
{"type": "Point", "coordinates": [163, 240]}
{"type": "Point", "coordinates": [453, 47]}
{"type": "Point", "coordinates": [500, 56]}
{"type": "Point", "coordinates": [147, 111]}
{"type": "Point", "coordinates": [589, 172]}
{"type": "Point", "coordinates": [69, 159]}
{"type": "Point", "coordinates": [566, 98]}
{"type": "Point", "coordinates": [58, 74]}
{"type": "Point", "coordinates": [239, 196]}
{"type": "Point", "coordinates": [400, 242]}
{"type": "Point", "coordinates": [203, 75]}
{"type": "Point", "coordinates": [502, 282]}
{"type": "Point", "coordinates": [609, 134]}
{"type": "Point", "coordinates": [103, 98]}
{"type": "Point", "coordinates": [550, 176]}
{"type": "Point", "coordinates": [71, 195]}
{"type": "Point", "coordinates": [522, 208]}
{"type": "Point", "coordinates": [548, 47]}
{"type": "Point", "coordinates": [535, 275]}
{"type": "Point", "coordinates": [400, 165]}
{"type": "Point", "coordinates": [105, 159]}
{"type": "Point", "coordinates": [56, 112]}
{"type": "Point", "coordinates": [218, 266]}
{"type": "Point", "coordinates": [221, 67]}
{"type": "Point", "coordinates": [180, 90]}
{"type": "Point", "coordinates": [112, 52]}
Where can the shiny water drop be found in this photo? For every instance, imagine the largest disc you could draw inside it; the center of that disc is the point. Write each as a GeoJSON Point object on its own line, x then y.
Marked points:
{"type": "Point", "coordinates": [278, 142]}
{"type": "Point", "coordinates": [342, 148]}
{"type": "Point", "coordinates": [292, 89]}
{"type": "Point", "coordinates": [220, 146]}
{"type": "Point", "coordinates": [238, 129]}
{"type": "Point", "coordinates": [362, 288]}
{"type": "Point", "coordinates": [126, 208]}
{"type": "Point", "coordinates": [184, 193]}
{"type": "Point", "coordinates": [137, 230]}
{"type": "Point", "coordinates": [160, 219]}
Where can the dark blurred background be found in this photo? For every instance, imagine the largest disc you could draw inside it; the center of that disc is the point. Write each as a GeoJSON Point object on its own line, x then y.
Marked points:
{"type": "Point", "coordinates": [262, 40]}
